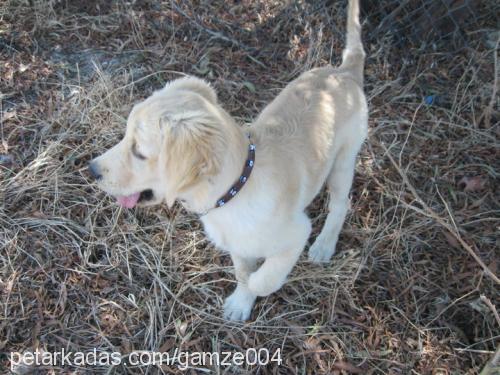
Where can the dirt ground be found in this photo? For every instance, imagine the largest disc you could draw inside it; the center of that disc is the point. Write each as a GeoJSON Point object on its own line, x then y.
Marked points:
{"type": "Point", "coordinates": [413, 288]}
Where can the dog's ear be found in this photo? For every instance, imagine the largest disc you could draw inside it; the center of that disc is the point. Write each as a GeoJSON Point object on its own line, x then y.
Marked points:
{"type": "Point", "coordinates": [196, 85]}
{"type": "Point", "coordinates": [193, 147]}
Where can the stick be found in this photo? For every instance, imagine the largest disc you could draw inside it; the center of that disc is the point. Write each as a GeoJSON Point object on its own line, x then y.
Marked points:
{"type": "Point", "coordinates": [430, 213]}
{"type": "Point", "coordinates": [213, 33]}
{"type": "Point", "coordinates": [492, 307]}
{"type": "Point", "coordinates": [492, 367]}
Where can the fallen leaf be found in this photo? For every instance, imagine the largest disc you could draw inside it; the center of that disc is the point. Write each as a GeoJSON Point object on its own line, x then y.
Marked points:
{"type": "Point", "coordinates": [38, 215]}
{"type": "Point", "coordinates": [250, 86]}
{"type": "Point", "coordinates": [6, 160]}
{"type": "Point", "coordinates": [452, 240]}
{"type": "Point", "coordinates": [346, 366]}
{"type": "Point", "coordinates": [167, 345]}
{"type": "Point", "coordinates": [181, 327]}
{"type": "Point", "coordinates": [311, 344]}
{"type": "Point", "coordinates": [63, 297]}
{"type": "Point", "coordinates": [10, 114]}
{"type": "Point", "coordinates": [470, 184]}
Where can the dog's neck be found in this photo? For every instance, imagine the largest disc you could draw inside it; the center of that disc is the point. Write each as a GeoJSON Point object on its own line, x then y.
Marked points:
{"type": "Point", "coordinates": [204, 196]}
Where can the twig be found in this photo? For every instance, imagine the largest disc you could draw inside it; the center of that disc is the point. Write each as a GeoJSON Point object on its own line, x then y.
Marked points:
{"type": "Point", "coordinates": [389, 18]}
{"type": "Point", "coordinates": [492, 307]}
{"type": "Point", "coordinates": [430, 213]}
{"type": "Point", "coordinates": [489, 108]}
{"type": "Point", "coordinates": [213, 33]}
{"type": "Point", "coordinates": [492, 367]}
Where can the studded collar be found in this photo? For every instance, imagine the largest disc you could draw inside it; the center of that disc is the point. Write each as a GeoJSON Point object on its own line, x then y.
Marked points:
{"type": "Point", "coordinates": [240, 182]}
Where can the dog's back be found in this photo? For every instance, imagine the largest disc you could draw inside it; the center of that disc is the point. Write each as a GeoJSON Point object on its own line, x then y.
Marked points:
{"type": "Point", "coordinates": [306, 125]}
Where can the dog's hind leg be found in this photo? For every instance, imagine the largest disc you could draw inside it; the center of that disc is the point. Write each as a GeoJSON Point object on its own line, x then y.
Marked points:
{"type": "Point", "coordinates": [339, 183]}
{"type": "Point", "coordinates": [238, 305]}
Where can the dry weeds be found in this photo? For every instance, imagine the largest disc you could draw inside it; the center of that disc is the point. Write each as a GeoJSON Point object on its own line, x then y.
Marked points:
{"type": "Point", "coordinates": [412, 289]}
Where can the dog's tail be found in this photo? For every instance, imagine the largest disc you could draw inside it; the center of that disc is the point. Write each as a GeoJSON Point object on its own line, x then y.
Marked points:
{"type": "Point", "coordinates": [353, 56]}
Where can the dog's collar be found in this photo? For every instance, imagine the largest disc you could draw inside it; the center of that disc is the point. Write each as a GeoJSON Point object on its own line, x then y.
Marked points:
{"type": "Point", "coordinates": [240, 182]}
{"type": "Point", "coordinates": [247, 170]}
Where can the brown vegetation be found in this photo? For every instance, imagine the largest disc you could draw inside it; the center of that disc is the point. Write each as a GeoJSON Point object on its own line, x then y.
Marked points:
{"type": "Point", "coordinates": [412, 289]}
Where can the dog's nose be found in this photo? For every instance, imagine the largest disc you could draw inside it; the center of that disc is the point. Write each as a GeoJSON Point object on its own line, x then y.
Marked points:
{"type": "Point", "coordinates": [94, 171]}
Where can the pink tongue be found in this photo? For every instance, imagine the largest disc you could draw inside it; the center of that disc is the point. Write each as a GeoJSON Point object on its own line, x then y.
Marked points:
{"type": "Point", "coordinates": [128, 201]}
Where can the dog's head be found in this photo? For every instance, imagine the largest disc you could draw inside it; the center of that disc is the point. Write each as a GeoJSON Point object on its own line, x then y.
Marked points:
{"type": "Point", "coordinates": [174, 141]}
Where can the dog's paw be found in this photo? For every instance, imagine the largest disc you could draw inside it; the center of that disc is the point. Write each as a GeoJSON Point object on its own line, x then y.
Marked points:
{"type": "Point", "coordinates": [319, 253]}
{"type": "Point", "coordinates": [238, 305]}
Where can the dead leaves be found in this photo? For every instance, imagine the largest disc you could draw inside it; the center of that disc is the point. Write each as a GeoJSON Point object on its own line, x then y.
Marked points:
{"type": "Point", "coordinates": [472, 184]}
{"type": "Point", "coordinates": [346, 366]}
{"type": "Point", "coordinates": [452, 240]}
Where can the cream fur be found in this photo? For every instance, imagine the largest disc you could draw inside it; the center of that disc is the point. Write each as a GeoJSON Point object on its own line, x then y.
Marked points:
{"type": "Point", "coordinates": [308, 135]}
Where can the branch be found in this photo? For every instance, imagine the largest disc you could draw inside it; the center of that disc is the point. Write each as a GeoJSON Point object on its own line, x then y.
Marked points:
{"type": "Point", "coordinates": [430, 213]}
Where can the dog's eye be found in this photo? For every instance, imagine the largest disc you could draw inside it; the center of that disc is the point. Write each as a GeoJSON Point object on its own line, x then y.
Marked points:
{"type": "Point", "coordinates": [136, 153]}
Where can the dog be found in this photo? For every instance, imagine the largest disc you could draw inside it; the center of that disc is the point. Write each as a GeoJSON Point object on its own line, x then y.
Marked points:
{"type": "Point", "coordinates": [251, 190]}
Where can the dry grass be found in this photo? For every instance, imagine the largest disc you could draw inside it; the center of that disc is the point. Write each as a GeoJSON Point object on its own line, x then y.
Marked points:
{"type": "Point", "coordinates": [403, 295]}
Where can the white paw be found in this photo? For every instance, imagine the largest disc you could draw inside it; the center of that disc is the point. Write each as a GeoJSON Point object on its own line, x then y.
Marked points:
{"type": "Point", "coordinates": [319, 253]}
{"type": "Point", "coordinates": [238, 305]}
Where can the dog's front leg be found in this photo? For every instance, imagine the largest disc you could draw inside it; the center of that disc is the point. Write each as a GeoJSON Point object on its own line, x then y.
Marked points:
{"type": "Point", "coordinates": [238, 305]}
{"type": "Point", "coordinates": [272, 274]}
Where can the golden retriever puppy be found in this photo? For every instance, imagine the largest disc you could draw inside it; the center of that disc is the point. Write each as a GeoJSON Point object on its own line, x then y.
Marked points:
{"type": "Point", "coordinates": [250, 189]}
